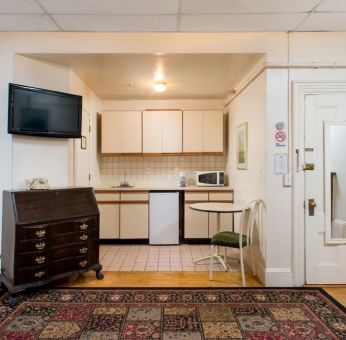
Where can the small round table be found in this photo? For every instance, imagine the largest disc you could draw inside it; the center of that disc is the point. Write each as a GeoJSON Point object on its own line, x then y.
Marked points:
{"type": "Point", "coordinates": [218, 208]}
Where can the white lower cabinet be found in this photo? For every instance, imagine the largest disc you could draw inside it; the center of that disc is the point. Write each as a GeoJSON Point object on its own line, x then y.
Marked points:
{"type": "Point", "coordinates": [225, 223]}
{"type": "Point", "coordinates": [134, 220]}
{"type": "Point", "coordinates": [196, 223]}
{"type": "Point", "coordinates": [109, 220]}
{"type": "Point", "coordinates": [199, 224]}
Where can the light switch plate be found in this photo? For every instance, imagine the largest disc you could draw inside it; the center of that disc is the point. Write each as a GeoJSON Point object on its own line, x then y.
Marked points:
{"type": "Point", "coordinates": [287, 180]}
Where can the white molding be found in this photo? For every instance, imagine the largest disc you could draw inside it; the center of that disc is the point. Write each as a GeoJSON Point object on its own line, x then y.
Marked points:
{"type": "Point", "coordinates": [300, 90]}
{"type": "Point", "coordinates": [278, 277]}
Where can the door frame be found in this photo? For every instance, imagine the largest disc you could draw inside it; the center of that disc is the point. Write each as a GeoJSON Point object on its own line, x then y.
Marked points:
{"type": "Point", "coordinates": [300, 90]}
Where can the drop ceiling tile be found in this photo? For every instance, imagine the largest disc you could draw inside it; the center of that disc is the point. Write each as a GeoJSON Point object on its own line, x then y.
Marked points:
{"type": "Point", "coordinates": [324, 22]}
{"type": "Point", "coordinates": [111, 6]}
{"type": "Point", "coordinates": [117, 23]}
{"type": "Point", "coordinates": [246, 6]}
{"type": "Point", "coordinates": [240, 22]}
{"type": "Point", "coordinates": [27, 23]}
{"type": "Point", "coordinates": [20, 7]}
{"type": "Point", "coordinates": [332, 6]}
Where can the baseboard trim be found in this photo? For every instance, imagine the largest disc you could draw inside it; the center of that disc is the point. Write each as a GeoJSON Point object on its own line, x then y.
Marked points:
{"type": "Point", "coordinates": [278, 277]}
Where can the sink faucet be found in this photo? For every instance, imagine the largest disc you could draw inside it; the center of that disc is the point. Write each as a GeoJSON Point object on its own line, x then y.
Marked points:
{"type": "Point", "coordinates": [124, 183]}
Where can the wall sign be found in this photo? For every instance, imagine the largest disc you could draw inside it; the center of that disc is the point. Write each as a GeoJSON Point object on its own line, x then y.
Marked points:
{"type": "Point", "coordinates": [281, 164]}
{"type": "Point", "coordinates": [280, 138]}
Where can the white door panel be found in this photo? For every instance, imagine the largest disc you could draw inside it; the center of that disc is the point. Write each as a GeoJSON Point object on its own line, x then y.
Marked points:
{"type": "Point", "coordinates": [325, 263]}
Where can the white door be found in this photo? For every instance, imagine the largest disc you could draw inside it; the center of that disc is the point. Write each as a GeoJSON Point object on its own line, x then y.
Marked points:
{"type": "Point", "coordinates": [325, 187]}
{"type": "Point", "coordinates": [82, 154]}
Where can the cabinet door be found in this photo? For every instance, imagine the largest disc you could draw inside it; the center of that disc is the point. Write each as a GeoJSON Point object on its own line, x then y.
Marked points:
{"type": "Point", "coordinates": [152, 132]}
{"type": "Point", "coordinates": [196, 223]}
{"type": "Point", "coordinates": [131, 132]}
{"type": "Point", "coordinates": [134, 221]}
{"type": "Point", "coordinates": [192, 131]}
{"type": "Point", "coordinates": [109, 220]}
{"type": "Point", "coordinates": [213, 131]}
{"type": "Point", "coordinates": [225, 223]}
{"type": "Point", "coordinates": [111, 122]}
{"type": "Point", "coordinates": [172, 132]}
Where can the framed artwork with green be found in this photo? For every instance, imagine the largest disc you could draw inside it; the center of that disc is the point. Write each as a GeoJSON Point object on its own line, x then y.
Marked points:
{"type": "Point", "coordinates": [241, 146]}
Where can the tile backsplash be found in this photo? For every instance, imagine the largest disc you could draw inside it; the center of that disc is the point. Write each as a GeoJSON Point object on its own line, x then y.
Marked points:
{"type": "Point", "coordinates": [156, 170]}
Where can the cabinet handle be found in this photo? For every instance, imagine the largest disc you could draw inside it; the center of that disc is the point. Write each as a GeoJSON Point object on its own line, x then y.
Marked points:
{"type": "Point", "coordinates": [83, 263]}
{"type": "Point", "coordinates": [40, 245]}
{"type": "Point", "coordinates": [40, 233]}
{"type": "Point", "coordinates": [83, 226]}
{"type": "Point", "coordinates": [83, 250]}
{"type": "Point", "coordinates": [83, 237]}
{"type": "Point", "coordinates": [40, 259]}
{"type": "Point", "coordinates": [40, 274]}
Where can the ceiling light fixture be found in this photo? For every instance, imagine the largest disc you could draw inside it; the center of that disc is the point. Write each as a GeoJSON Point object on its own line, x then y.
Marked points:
{"type": "Point", "coordinates": [160, 86]}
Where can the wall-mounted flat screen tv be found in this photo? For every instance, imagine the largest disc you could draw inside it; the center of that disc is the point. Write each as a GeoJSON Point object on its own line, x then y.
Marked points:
{"type": "Point", "coordinates": [38, 112]}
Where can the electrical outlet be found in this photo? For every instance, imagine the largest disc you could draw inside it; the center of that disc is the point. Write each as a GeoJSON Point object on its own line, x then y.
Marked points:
{"type": "Point", "coordinates": [147, 171]}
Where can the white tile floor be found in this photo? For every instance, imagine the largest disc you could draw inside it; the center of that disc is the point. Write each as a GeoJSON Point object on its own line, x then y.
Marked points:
{"type": "Point", "coordinates": [159, 258]}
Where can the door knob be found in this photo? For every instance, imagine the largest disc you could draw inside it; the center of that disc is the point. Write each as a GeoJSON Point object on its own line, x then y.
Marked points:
{"type": "Point", "coordinates": [312, 206]}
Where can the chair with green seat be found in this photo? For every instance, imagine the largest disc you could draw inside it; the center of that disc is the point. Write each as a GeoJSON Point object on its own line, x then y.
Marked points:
{"type": "Point", "coordinates": [249, 216]}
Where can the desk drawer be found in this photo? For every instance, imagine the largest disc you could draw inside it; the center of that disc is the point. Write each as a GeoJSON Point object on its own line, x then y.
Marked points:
{"type": "Point", "coordinates": [28, 275]}
{"type": "Point", "coordinates": [65, 239]}
{"type": "Point", "coordinates": [25, 260]}
{"type": "Point", "coordinates": [74, 250]}
{"type": "Point", "coordinates": [71, 264]}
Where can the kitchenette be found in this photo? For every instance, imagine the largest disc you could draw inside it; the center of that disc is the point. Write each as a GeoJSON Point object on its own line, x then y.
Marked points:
{"type": "Point", "coordinates": [154, 165]}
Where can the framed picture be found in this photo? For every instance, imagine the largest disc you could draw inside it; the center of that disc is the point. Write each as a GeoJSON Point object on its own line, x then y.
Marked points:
{"type": "Point", "coordinates": [83, 143]}
{"type": "Point", "coordinates": [241, 146]}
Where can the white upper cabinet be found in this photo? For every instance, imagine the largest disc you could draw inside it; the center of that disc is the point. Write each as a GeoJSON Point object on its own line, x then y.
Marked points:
{"type": "Point", "coordinates": [132, 132]}
{"type": "Point", "coordinates": [212, 131]}
{"type": "Point", "coordinates": [172, 131]}
{"type": "Point", "coordinates": [121, 132]}
{"type": "Point", "coordinates": [152, 132]}
{"type": "Point", "coordinates": [162, 131]}
{"type": "Point", "coordinates": [111, 132]}
{"type": "Point", "coordinates": [192, 131]}
{"type": "Point", "coordinates": [202, 131]}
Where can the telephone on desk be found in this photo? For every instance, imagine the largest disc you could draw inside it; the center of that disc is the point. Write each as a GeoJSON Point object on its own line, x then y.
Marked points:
{"type": "Point", "coordinates": [37, 184]}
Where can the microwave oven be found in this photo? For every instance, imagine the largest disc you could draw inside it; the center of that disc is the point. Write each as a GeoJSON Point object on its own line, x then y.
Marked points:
{"type": "Point", "coordinates": [210, 178]}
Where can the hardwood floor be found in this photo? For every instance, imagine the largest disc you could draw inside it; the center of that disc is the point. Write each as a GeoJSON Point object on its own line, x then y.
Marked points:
{"type": "Point", "coordinates": [161, 279]}
{"type": "Point", "coordinates": [179, 279]}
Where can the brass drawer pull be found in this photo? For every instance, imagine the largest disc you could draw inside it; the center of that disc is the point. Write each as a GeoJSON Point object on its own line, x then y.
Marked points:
{"type": "Point", "coordinates": [83, 250]}
{"type": "Point", "coordinates": [83, 263]}
{"type": "Point", "coordinates": [40, 259]}
{"type": "Point", "coordinates": [40, 274]}
{"type": "Point", "coordinates": [83, 226]}
{"type": "Point", "coordinates": [83, 237]}
{"type": "Point", "coordinates": [40, 233]}
{"type": "Point", "coordinates": [40, 245]}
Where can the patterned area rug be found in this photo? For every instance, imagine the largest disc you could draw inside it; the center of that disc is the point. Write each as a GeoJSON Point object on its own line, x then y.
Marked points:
{"type": "Point", "coordinates": [189, 314]}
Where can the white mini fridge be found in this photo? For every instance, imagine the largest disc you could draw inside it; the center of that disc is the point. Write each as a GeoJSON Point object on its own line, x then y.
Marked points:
{"type": "Point", "coordinates": [164, 217]}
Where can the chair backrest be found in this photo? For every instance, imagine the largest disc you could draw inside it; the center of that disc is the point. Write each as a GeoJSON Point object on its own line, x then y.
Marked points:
{"type": "Point", "coordinates": [254, 209]}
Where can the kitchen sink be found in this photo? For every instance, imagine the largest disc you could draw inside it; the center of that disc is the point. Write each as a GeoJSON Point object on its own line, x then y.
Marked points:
{"type": "Point", "coordinates": [122, 186]}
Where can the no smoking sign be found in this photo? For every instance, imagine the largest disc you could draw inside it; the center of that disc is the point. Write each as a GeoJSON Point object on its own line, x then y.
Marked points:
{"type": "Point", "coordinates": [280, 138]}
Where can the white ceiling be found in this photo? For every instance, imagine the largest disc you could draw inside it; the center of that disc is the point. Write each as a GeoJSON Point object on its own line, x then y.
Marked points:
{"type": "Point", "coordinates": [131, 76]}
{"type": "Point", "coordinates": [172, 15]}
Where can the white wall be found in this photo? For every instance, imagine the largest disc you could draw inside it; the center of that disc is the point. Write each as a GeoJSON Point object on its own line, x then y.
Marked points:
{"type": "Point", "coordinates": [250, 107]}
{"type": "Point", "coordinates": [41, 156]}
{"type": "Point", "coordinates": [92, 105]}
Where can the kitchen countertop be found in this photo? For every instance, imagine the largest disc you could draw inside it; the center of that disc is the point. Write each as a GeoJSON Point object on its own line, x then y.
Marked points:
{"type": "Point", "coordinates": [168, 188]}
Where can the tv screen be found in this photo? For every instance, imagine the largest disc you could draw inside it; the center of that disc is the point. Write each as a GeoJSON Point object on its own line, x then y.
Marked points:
{"type": "Point", "coordinates": [39, 112]}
